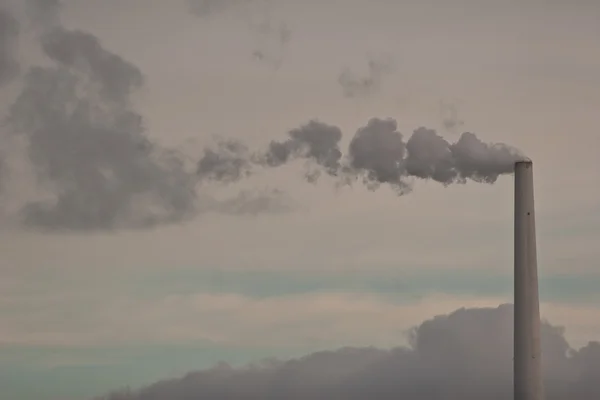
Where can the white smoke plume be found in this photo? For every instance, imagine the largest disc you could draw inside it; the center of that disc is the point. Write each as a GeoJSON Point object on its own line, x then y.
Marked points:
{"type": "Point", "coordinates": [466, 355]}
{"type": "Point", "coordinates": [377, 154]}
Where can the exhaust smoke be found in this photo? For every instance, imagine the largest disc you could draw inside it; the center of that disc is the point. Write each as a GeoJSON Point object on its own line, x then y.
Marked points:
{"type": "Point", "coordinates": [377, 154]}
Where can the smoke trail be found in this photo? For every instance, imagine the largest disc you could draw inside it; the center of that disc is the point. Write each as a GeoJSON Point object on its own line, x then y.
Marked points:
{"type": "Point", "coordinates": [9, 32]}
{"type": "Point", "coordinates": [314, 141]}
{"type": "Point", "coordinates": [355, 86]}
{"type": "Point", "coordinates": [91, 156]}
{"type": "Point", "coordinates": [230, 161]}
{"type": "Point", "coordinates": [377, 154]}
{"type": "Point", "coordinates": [100, 170]}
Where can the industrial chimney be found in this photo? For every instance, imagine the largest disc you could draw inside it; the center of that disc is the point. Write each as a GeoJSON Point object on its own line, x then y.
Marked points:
{"type": "Point", "coordinates": [527, 346]}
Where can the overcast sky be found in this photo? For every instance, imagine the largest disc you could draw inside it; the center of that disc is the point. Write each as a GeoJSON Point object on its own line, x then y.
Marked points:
{"type": "Point", "coordinates": [319, 266]}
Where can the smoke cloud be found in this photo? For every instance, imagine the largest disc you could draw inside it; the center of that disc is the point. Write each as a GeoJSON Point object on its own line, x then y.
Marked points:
{"type": "Point", "coordinates": [98, 170]}
{"type": "Point", "coordinates": [377, 154]}
{"type": "Point", "coordinates": [88, 144]}
{"type": "Point", "coordinates": [466, 355]}
{"type": "Point", "coordinates": [230, 161]}
{"type": "Point", "coordinates": [314, 141]}
{"type": "Point", "coordinates": [354, 85]}
{"type": "Point", "coordinates": [92, 158]}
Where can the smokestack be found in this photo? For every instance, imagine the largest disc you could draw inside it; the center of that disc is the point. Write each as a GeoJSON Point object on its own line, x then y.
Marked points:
{"type": "Point", "coordinates": [527, 347]}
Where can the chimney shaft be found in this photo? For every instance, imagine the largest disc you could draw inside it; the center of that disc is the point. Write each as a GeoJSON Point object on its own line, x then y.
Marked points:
{"type": "Point", "coordinates": [527, 346]}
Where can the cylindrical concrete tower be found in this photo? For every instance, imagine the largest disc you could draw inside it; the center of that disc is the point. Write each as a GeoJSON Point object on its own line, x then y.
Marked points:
{"type": "Point", "coordinates": [527, 346]}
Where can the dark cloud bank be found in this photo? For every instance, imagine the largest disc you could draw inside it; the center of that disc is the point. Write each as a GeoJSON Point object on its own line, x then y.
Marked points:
{"type": "Point", "coordinates": [466, 355]}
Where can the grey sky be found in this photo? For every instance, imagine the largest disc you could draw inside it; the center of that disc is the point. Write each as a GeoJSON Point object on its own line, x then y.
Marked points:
{"type": "Point", "coordinates": [526, 75]}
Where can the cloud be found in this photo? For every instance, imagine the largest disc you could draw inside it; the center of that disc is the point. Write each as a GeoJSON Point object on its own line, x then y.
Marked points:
{"type": "Point", "coordinates": [466, 354]}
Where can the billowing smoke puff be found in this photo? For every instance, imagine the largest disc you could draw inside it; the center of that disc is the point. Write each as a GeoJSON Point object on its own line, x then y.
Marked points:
{"type": "Point", "coordinates": [466, 355]}
{"type": "Point", "coordinates": [377, 151]}
{"type": "Point", "coordinates": [314, 141]}
{"type": "Point", "coordinates": [377, 154]}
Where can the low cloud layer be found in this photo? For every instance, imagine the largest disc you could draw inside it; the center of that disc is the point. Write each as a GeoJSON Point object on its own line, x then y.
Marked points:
{"type": "Point", "coordinates": [466, 355]}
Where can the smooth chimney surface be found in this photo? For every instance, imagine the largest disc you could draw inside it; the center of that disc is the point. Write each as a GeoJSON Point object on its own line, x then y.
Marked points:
{"type": "Point", "coordinates": [527, 346]}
